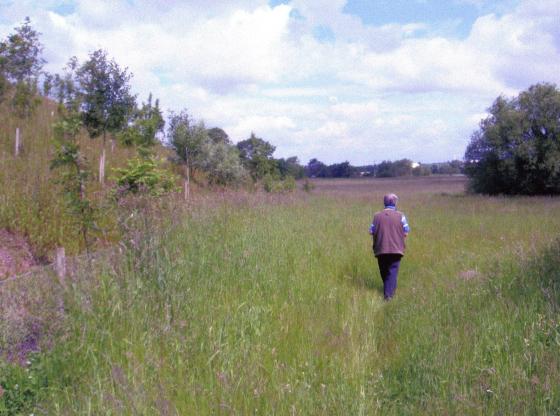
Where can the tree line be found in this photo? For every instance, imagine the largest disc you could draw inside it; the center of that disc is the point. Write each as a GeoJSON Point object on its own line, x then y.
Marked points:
{"type": "Point", "coordinates": [384, 169]}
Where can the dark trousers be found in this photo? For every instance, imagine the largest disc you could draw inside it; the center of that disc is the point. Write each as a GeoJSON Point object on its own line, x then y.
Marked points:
{"type": "Point", "coordinates": [389, 269]}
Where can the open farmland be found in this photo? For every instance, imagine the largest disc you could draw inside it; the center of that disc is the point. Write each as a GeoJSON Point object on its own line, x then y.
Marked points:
{"type": "Point", "coordinates": [255, 304]}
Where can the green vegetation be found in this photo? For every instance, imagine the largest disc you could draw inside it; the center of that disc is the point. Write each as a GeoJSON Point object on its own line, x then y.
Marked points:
{"type": "Point", "coordinates": [266, 303]}
{"type": "Point", "coordinates": [384, 169]}
{"type": "Point", "coordinates": [32, 200]}
{"type": "Point", "coordinates": [144, 175]}
{"type": "Point", "coordinates": [273, 305]}
{"type": "Point", "coordinates": [517, 148]}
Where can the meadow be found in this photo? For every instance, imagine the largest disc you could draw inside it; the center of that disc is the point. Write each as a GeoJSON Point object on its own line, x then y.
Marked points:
{"type": "Point", "coordinates": [247, 303]}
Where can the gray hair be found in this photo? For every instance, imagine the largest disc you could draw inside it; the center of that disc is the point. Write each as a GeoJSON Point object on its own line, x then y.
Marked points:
{"type": "Point", "coordinates": [390, 199]}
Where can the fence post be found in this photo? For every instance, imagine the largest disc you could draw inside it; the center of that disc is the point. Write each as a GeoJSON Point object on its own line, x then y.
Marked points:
{"type": "Point", "coordinates": [61, 265]}
{"type": "Point", "coordinates": [17, 142]}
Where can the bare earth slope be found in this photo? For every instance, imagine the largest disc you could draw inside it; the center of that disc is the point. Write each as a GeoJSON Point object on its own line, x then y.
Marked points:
{"type": "Point", "coordinates": [15, 254]}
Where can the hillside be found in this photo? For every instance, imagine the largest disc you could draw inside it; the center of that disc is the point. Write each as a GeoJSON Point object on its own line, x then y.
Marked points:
{"type": "Point", "coordinates": [32, 202]}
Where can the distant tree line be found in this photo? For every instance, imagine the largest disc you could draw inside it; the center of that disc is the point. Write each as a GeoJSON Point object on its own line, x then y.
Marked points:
{"type": "Point", "coordinates": [384, 169]}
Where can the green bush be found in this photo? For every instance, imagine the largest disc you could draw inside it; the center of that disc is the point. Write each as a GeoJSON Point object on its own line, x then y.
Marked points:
{"type": "Point", "coordinates": [308, 186]}
{"type": "Point", "coordinates": [273, 185]}
{"type": "Point", "coordinates": [144, 175]}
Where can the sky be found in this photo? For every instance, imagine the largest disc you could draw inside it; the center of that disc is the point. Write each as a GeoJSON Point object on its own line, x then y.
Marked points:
{"type": "Point", "coordinates": [338, 80]}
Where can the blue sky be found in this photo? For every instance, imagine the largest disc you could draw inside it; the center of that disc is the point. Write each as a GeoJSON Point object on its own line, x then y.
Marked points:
{"type": "Point", "coordinates": [337, 80]}
{"type": "Point", "coordinates": [457, 16]}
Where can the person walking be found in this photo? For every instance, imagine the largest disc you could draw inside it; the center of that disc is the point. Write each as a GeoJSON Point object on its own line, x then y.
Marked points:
{"type": "Point", "coordinates": [389, 230]}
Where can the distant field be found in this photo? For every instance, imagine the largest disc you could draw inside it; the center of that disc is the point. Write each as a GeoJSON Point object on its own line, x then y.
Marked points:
{"type": "Point", "coordinates": [366, 187]}
{"type": "Point", "coordinates": [257, 304]}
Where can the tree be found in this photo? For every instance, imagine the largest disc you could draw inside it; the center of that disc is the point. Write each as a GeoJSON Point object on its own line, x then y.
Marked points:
{"type": "Point", "coordinates": [421, 170]}
{"type": "Point", "coordinates": [147, 123]}
{"type": "Point", "coordinates": [48, 80]}
{"type": "Point", "coordinates": [74, 174]}
{"type": "Point", "coordinates": [340, 170]}
{"type": "Point", "coordinates": [66, 88]}
{"type": "Point", "coordinates": [20, 64]}
{"type": "Point", "coordinates": [316, 169]}
{"type": "Point", "coordinates": [290, 167]}
{"type": "Point", "coordinates": [217, 135]}
{"type": "Point", "coordinates": [106, 102]}
{"type": "Point", "coordinates": [256, 156]}
{"type": "Point", "coordinates": [187, 138]}
{"type": "Point", "coordinates": [3, 71]}
{"type": "Point", "coordinates": [206, 150]}
{"type": "Point", "coordinates": [388, 169]}
{"type": "Point", "coordinates": [516, 150]}
{"type": "Point", "coordinates": [22, 54]}
{"type": "Point", "coordinates": [222, 164]}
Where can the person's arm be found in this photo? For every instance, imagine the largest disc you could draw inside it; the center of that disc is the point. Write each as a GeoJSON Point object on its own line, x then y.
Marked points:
{"type": "Point", "coordinates": [371, 228]}
{"type": "Point", "coordinates": [406, 227]}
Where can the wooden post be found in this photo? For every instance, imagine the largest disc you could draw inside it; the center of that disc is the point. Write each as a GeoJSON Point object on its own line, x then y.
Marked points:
{"type": "Point", "coordinates": [187, 180]}
{"type": "Point", "coordinates": [102, 167]}
{"type": "Point", "coordinates": [61, 265]}
{"type": "Point", "coordinates": [17, 142]}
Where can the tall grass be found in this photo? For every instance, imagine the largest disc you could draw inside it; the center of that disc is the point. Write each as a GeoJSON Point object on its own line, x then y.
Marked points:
{"type": "Point", "coordinates": [275, 307]}
{"type": "Point", "coordinates": [31, 201]}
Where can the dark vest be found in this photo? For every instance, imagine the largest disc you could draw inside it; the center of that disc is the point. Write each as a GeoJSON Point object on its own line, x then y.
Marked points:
{"type": "Point", "coordinates": [388, 237]}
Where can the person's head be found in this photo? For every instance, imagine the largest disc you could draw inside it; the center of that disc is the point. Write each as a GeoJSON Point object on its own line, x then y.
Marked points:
{"type": "Point", "coordinates": [390, 199]}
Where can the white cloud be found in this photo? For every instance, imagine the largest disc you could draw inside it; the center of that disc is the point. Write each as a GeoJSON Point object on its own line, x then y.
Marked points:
{"type": "Point", "coordinates": [370, 93]}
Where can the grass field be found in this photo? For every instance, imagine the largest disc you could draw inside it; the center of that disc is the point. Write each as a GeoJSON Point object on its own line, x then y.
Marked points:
{"type": "Point", "coordinates": [255, 304]}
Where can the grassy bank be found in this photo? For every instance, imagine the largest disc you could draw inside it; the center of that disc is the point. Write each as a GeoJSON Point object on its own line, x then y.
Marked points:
{"type": "Point", "coordinates": [274, 306]}
{"type": "Point", "coordinates": [32, 202]}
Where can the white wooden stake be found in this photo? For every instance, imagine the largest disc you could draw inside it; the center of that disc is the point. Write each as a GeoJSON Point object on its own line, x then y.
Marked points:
{"type": "Point", "coordinates": [17, 142]}
{"type": "Point", "coordinates": [102, 167]}
{"type": "Point", "coordinates": [61, 265]}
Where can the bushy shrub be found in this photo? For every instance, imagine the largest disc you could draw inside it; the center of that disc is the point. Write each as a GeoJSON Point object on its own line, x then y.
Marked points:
{"type": "Point", "coordinates": [222, 164]}
{"type": "Point", "coordinates": [308, 186]}
{"type": "Point", "coordinates": [273, 185]}
{"type": "Point", "coordinates": [144, 175]}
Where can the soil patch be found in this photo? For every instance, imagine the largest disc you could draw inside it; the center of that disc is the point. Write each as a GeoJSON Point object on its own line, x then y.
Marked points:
{"type": "Point", "coordinates": [16, 256]}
